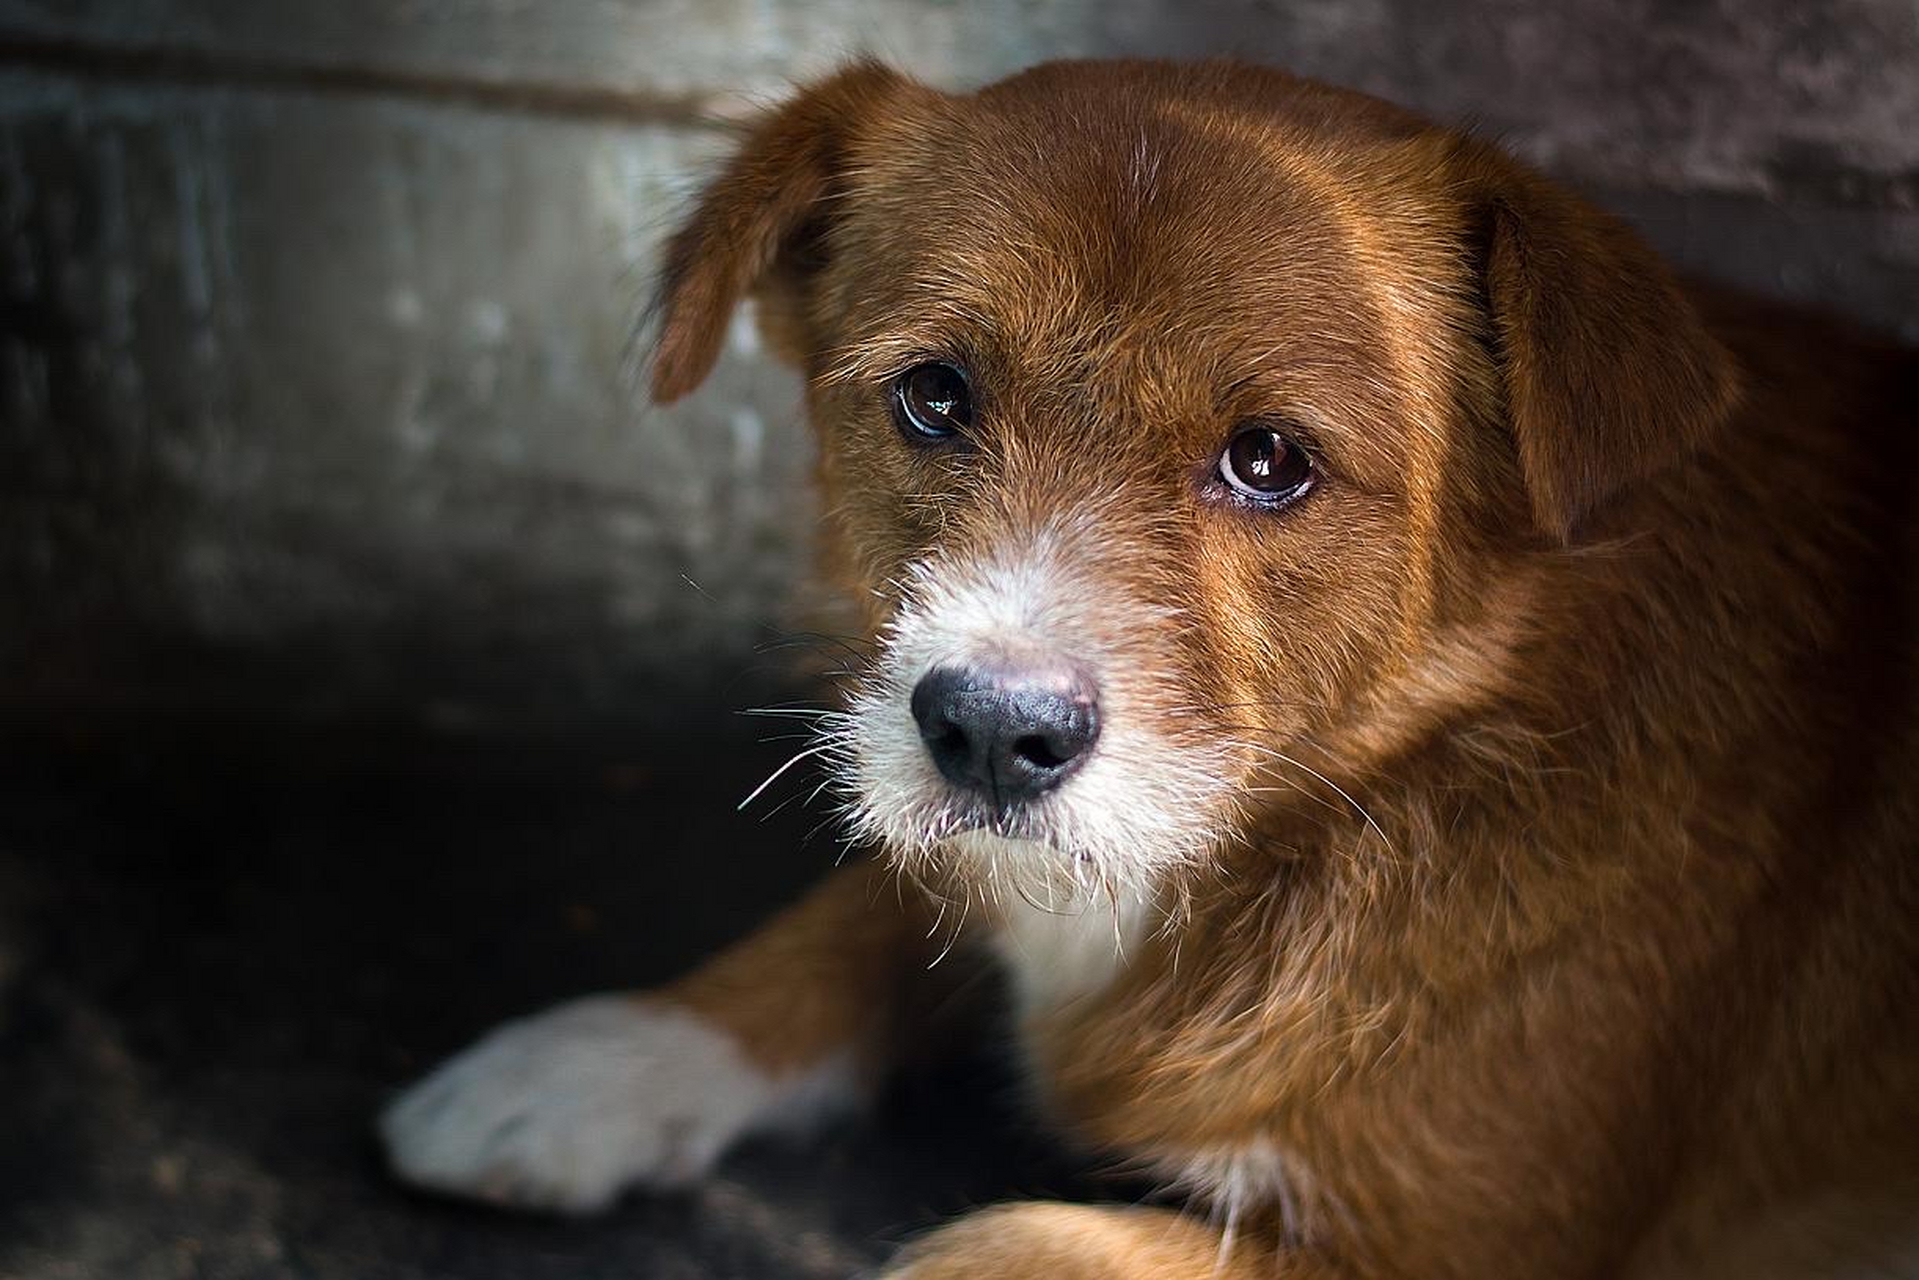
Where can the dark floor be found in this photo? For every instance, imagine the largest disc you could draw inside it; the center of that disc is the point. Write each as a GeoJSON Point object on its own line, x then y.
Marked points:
{"type": "Point", "coordinates": [220, 952]}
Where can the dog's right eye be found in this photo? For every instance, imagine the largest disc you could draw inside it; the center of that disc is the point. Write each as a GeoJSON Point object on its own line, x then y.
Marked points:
{"type": "Point", "coordinates": [932, 401]}
{"type": "Point", "coordinates": [1265, 466]}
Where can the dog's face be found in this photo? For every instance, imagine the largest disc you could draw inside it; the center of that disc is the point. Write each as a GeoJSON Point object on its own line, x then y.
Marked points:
{"type": "Point", "coordinates": [1184, 432]}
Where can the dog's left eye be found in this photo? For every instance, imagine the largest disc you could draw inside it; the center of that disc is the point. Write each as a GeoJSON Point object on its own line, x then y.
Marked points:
{"type": "Point", "coordinates": [1265, 465]}
{"type": "Point", "coordinates": [932, 401]}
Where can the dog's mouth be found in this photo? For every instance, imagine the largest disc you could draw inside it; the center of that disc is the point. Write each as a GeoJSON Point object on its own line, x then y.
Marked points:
{"type": "Point", "coordinates": [959, 825]}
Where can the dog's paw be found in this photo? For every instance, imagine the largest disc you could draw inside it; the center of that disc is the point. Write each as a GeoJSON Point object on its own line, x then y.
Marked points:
{"type": "Point", "coordinates": [564, 1110]}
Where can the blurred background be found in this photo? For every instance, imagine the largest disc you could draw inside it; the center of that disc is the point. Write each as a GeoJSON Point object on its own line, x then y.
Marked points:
{"type": "Point", "coordinates": [370, 654]}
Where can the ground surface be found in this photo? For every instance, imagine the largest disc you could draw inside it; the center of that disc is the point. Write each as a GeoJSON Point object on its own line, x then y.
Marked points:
{"type": "Point", "coordinates": [219, 954]}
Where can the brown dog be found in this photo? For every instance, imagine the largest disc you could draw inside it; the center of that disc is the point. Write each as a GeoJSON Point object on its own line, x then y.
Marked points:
{"type": "Point", "coordinates": [1422, 704]}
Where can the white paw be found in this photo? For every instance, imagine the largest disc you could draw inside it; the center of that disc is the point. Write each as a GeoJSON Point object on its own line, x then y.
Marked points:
{"type": "Point", "coordinates": [565, 1109]}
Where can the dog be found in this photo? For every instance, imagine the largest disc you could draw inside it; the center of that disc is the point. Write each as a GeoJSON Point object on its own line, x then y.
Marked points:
{"type": "Point", "coordinates": [1418, 699]}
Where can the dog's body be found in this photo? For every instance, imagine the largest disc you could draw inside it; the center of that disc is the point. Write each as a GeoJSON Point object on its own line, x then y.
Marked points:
{"type": "Point", "coordinates": [1497, 854]}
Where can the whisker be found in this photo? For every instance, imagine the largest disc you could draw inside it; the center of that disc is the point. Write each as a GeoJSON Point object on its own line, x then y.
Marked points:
{"type": "Point", "coordinates": [1358, 808]}
{"type": "Point", "coordinates": [785, 737]}
{"type": "Point", "coordinates": [857, 648]}
{"type": "Point", "coordinates": [774, 776]}
{"type": "Point", "coordinates": [789, 709]}
{"type": "Point", "coordinates": [1188, 708]}
{"type": "Point", "coordinates": [1310, 794]}
{"type": "Point", "coordinates": [769, 814]}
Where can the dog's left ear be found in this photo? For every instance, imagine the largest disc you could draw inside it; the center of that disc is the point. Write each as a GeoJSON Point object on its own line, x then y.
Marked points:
{"type": "Point", "coordinates": [1609, 373]}
{"type": "Point", "coordinates": [764, 212]}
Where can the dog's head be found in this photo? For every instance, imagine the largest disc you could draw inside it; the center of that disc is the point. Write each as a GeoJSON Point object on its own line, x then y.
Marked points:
{"type": "Point", "coordinates": [1183, 429]}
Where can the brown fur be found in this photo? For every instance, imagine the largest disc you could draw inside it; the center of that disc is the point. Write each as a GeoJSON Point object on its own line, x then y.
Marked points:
{"type": "Point", "coordinates": [1576, 936]}
{"type": "Point", "coordinates": [845, 994]}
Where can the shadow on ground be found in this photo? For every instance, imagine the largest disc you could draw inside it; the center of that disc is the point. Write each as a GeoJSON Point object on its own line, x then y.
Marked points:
{"type": "Point", "coordinates": [219, 952]}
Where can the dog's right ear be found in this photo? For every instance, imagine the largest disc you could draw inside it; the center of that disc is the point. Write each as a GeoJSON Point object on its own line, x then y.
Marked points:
{"type": "Point", "coordinates": [771, 197]}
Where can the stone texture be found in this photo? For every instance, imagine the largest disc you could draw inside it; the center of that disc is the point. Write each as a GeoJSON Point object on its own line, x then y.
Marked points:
{"type": "Point", "coordinates": [1761, 96]}
{"type": "Point", "coordinates": [348, 375]}
{"type": "Point", "coordinates": [318, 314]}
{"type": "Point", "coordinates": [1730, 96]}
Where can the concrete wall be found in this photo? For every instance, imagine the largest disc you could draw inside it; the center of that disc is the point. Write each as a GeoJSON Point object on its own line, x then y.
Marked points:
{"type": "Point", "coordinates": [313, 395]}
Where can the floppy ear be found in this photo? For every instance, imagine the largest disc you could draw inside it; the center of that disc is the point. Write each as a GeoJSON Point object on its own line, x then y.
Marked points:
{"type": "Point", "coordinates": [764, 207]}
{"type": "Point", "coordinates": [1609, 373]}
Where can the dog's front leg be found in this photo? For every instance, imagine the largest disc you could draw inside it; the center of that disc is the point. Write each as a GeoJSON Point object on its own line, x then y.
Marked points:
{"type": "Point", "coordinates": [565, 1109]}
{"type": "Point", "coordinates": [1045, 1240]}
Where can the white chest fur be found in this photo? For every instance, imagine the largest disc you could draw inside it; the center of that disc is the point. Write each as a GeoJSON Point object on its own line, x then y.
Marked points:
{"type": "Point", "coordinates": [1056, 956]}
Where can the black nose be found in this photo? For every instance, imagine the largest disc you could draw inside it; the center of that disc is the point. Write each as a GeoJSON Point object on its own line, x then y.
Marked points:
{"type": "Point", "coordinates": [1013, 734]}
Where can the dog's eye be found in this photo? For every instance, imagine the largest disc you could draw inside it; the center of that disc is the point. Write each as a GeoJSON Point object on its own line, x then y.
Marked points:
{"type": "Point", "coordinates": [932, 401]}
{"type": "Point", "coordinates": [1265, 465]}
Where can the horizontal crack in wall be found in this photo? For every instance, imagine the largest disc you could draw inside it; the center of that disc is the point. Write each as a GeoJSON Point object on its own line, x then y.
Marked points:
{"type": "Point", "coordinates": [188, 66]}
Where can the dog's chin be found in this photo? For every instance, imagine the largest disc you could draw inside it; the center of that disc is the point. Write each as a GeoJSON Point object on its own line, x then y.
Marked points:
{"type": "Point", "coordinates": [1011, 868]}
{"type": "Point", "coordinates": [985, 847]}
{"type": "Point", "coordinates": [1122, 825]}
{"type": "Point", "coordinates": [995, 849]}
{"type": "Point", "coordinates": [1029, 855]}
